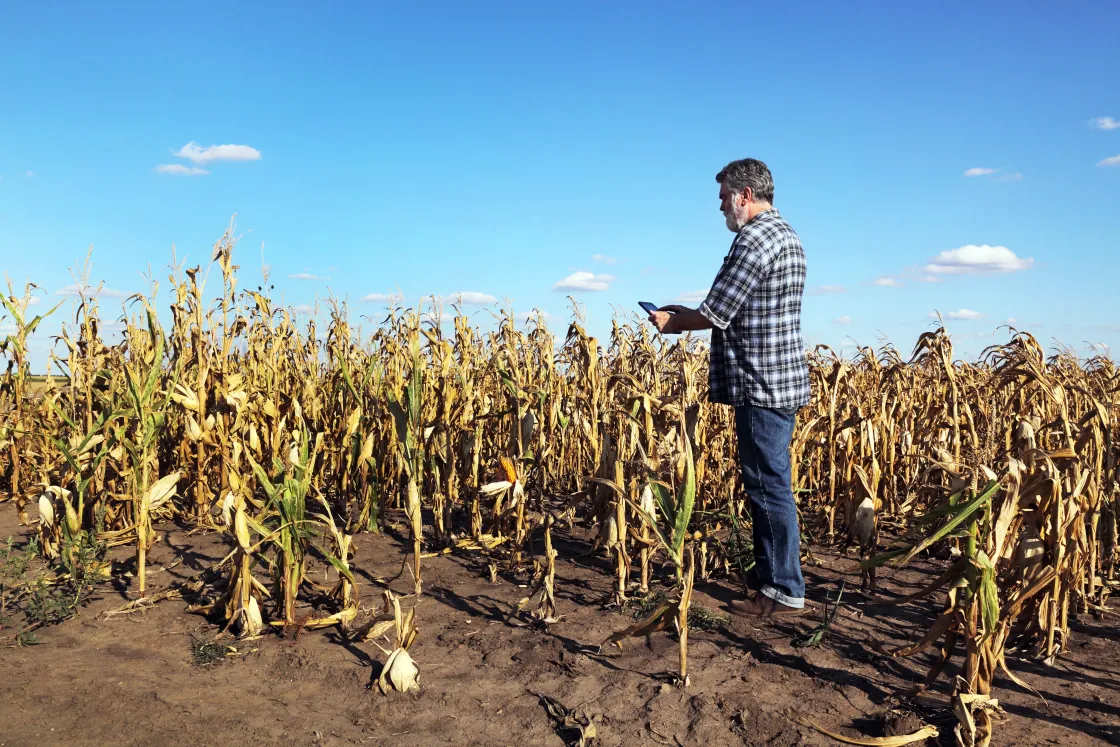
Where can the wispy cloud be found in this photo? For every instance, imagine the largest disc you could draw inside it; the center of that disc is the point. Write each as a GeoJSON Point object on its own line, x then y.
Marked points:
{"type": "Point", "coordinates": [1110, 161]}
{"type": "Point", "coordinates": [1009, 320]}
{"type": "Point", "coordinates": [581, 280]}
{"type": "Point", "coordinates": [931, 279]}
{"type": "Point", "coordinates": [307, 276]}
{"type": "Point", "coordinates": [977, 260]}
{"type": "Point", "coordinates": [472, 298]}
{"type": "Point", "coordinates": [178, 169]}
{"type": "Point", "coordinates": [824, 290]}
{"type": "Point", "coordinates": [192, 151]}
{"type": "Point", "coordinates": [29, 174]}
{"type": "Point", "coordinates": [1104, 123]}
{"type": "Point", "coordinates": [382, 298]}
{"type": "Point", "coordinates": [961, 315]}
{"type": "Point", "coordinates": [34, 301]}
{"type": "Point", "coordinates": [305, 309]}
{"type": "Point", "coordinates": [996, 175]}
{"type": "Point", "coordinates": [886, 282]}
{"type": "Point", "coordinates": [842, 320]}
{"type": "Point", "coordinates": [73, 289]}
{"type": "Point", "coordinates": [692, 296]}
{"type": "Point", "coordinates": [604, 259]}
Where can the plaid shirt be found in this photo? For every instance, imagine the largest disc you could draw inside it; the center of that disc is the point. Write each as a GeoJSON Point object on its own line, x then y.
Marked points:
{"type": "Point", "coordinates": [758, 356]}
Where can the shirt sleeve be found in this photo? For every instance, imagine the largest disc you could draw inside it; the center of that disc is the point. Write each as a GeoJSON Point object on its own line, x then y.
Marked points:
{"type": "Point", "coordinates": [747, 264]}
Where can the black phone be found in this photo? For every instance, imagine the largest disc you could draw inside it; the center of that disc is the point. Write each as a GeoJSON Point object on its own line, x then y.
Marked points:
{"type": "Point", "coordinates": [649, 307]}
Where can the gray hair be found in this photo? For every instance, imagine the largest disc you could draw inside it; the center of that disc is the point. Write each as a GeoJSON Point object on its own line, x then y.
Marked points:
{"type": "Point", "coordinates": [748, 172]}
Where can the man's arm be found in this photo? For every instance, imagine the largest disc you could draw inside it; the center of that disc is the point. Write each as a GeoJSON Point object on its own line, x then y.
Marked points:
{"type": "Point", "coordinates": [683, 319]}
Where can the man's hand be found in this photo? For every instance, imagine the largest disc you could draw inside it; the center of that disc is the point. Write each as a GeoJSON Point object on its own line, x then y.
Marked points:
{"type": "Point", "coordinates": [663, 320]}
{"type": "Point", "coordinates": [683, 319]}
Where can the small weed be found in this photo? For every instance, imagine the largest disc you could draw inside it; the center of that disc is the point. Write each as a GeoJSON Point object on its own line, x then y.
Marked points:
{"type": "Point", "coordinates": [47, 603]}
{"type": "Point", "coordinates": [26, 638]}
{"type": "Point", "coordinates": [205, 652]}
{"type": "Point", "coordinates": [699, 617]}
{"type": "Point", "coordinates": [13, 561]}
{"type": "Point", "coordinates": [644, 606]}
{"type": "Point", "coordinates": [813, 638]}
{"type": "Point", "coordinates": [702, 618]}
{"type": "Point", "coordinates": [50, 600]}
{"type": "Point", "coordinates": [13, 564]}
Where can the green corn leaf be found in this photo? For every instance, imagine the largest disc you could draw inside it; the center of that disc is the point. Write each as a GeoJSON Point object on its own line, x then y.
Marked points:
{"type": "Point", "coordinates": [989, 593]}
{"type": "Point", "coordinates": [966, 510]}
{"type": "Point", "coordinates": [963, 511]}
{"type": "Point", "coordinates": [664, 498]}
{"type": "Point", "coordinates": [686, 498]}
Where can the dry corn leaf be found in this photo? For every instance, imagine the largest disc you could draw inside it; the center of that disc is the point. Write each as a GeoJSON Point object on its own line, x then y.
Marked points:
{"type": "Point", "coordinates": [926, 732]}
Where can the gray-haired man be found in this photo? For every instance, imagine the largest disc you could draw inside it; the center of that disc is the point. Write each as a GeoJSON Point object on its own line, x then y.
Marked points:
{"type": "Point", "coordinates": [758, 366]}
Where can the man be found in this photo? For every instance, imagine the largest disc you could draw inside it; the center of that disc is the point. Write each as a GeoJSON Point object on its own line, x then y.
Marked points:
{"type": "Point", "coordinates": [758, 366]}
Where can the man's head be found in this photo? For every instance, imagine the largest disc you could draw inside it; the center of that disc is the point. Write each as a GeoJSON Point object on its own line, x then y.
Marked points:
{"type": "Point", "coordinates": [746, 188]}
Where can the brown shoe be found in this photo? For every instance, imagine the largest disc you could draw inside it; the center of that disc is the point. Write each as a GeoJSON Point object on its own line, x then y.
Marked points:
{"type": "Point", "coordinates": [760, 605]}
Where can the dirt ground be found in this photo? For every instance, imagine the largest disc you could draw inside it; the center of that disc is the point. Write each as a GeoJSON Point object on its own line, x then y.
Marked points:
{"type": "Point", "coordinates": [130, 680]}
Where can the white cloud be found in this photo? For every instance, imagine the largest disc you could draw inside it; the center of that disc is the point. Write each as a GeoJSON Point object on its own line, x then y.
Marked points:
{"type": "Point", "coordinates": [382, 297]}
{"type": "Point", "coordinates": [977, 260]}
{"type": "Point", "coordinates": [1009, 320]}
{"type": "Point", "coordinates": [73, 288]}
{"type": "Point", "coordinates": [581, 280]}
{"type": "Point", "coordinates": [888, 282]}
{"type": "Point", "coordinates": [472, 298]}
{"type": "Point", "coordinates": [823, 290]}
{"type": "Point", "coordinates": [842, 320]}
{"type": "Point", "coordinates": [193, 152]}
{"type": "Point", "coordinates": [303, 308]}
{"type": "Point", "coordinates": [1104, 123]}
{"type": "Point", "coordinates": [1110, 161]}
{"type": "Point", "coordinates": [931, 279]}
{"type": "Point", "coordinates": [963, 314]}
{"type": "Point", "coordinates": [34, 301]}
{"type": "Point", "coordinates": [29, 174]}
{"type": "Point", "coordinates": [1007, 176]}
{"type": "Point", "coordinates": [604, 259]}
{"type": "Point", "coordinates": [307, 276]}
{"type": "Point", "coordinates": [178, 169]}
{"type": "Point", "coordinates": [692, 296]}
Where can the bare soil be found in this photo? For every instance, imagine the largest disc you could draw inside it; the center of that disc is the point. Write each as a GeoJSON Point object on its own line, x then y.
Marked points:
{"type": "Point", "coordinates": [131, 680]}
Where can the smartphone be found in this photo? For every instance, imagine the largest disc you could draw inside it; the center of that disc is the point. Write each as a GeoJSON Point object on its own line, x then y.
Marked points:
{"type": "Point", "coordinates": [649, 307]}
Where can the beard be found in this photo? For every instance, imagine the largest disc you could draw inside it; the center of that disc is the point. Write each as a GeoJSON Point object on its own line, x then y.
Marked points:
{"type": "Point", "coordinates": [734, 224]}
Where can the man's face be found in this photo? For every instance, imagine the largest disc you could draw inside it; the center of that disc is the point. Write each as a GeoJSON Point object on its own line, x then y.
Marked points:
{"type": "Point", "coordinates": [733, 205]}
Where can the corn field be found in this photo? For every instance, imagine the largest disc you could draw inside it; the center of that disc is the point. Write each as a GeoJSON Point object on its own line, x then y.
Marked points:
{"type": "Point", "coordinates": [287, 439]}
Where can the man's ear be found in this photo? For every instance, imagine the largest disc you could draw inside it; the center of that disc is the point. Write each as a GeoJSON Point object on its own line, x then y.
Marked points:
{"type": "Point", "coordinates": [748, 195]}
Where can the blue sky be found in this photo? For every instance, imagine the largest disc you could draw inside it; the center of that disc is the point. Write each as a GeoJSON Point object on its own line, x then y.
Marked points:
{"type": "Point", "coordinates": [499, 148]}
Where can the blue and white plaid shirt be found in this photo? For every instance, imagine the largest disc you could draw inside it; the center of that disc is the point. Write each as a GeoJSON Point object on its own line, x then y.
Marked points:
{"type": "Point", "coordinates": [758, 356]}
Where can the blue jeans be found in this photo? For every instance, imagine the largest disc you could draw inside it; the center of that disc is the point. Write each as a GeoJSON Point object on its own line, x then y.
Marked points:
{"type": "Point", "coordinates": [764, 438]}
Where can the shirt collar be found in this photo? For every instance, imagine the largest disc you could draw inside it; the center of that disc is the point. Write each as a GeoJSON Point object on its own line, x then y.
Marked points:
{"type": "Point", "coordinates": [769, 213]}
